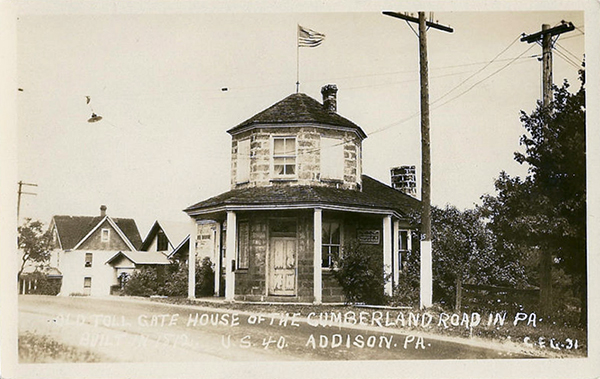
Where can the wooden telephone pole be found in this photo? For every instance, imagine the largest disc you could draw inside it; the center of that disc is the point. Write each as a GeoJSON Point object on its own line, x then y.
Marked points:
{"type": "Point", "coordinates": [426, 273]}
{"type": "Point", "coordinates": [19, 193]}
{"type": "Point", "coordinates": [545, 35]}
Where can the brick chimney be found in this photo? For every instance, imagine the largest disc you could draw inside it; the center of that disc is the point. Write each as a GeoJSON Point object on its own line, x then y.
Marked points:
{"type": "Point", "coordinates": [404, 179]}
{"type": "Point", "coordinates": [329, 97]}
{"type": "Point", "coordinates": [102, 210]}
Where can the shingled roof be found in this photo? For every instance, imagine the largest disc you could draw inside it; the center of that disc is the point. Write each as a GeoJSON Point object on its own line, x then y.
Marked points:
{"type": "Point", "coordinates": [374, 195]}
{"type": "Point", "coordinates": [141, 257]}
{"type": "Point", "coordinates": [71, 229]}
{"type": "Point", "coordinates": [297, 108]}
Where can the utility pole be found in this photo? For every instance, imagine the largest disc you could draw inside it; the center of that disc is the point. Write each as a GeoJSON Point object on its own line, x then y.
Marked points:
{"type": "Point", "coordinates": [20, 192]}
{"type": "Point", "coordinates": [426, 272]}
{"type": "Point", "coordinates": [545, 35]}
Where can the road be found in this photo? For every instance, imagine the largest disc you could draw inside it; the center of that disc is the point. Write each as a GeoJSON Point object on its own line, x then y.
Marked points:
{"type": "Point", "coordinates": [119, 329]}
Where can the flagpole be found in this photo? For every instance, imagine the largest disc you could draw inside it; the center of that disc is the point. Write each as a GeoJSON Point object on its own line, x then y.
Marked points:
{"type": "Point", "coordinates": [297, 58]}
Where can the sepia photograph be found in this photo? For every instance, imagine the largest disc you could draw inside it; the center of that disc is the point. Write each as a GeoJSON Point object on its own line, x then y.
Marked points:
{"type": "Point", "coordinates": [355, 190]}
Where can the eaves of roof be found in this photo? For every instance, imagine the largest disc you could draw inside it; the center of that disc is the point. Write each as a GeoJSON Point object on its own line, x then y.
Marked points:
{"type": "Point", "coordinates": [375, 196]}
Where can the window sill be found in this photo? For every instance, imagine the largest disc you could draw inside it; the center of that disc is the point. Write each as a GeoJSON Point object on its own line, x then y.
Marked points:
{"type": "Point", "coordinates": [283, 180]}
{"type": "Point", "coordinates": [330, 269]}
{"type": "Point", "coordinates": [336, 181]}
{"type": "Point", "coordinates": [240, 183]}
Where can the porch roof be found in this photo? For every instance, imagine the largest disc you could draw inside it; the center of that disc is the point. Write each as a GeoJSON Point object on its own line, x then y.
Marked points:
{"type": "Point", "coordinates": [142, 257]}
{"type": "Point", "coordinates": [374, 196]}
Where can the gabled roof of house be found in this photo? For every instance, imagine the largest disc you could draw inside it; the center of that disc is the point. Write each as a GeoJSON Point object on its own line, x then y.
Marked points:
{"type": "Point", "coordinates": [175, 232]}
{"type": "Point", "coordinates": [374, 196]}
{"type": "Point", "coordinates": [298, 108]}
{"type": "Point", "coordinates": [142, 257]}
{"type": "Point", "coordinates": [72, 229]}
{"type": "Point", "coordinates": [182, 249]}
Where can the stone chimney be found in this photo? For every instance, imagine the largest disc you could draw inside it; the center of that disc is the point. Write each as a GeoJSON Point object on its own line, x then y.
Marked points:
{"type": "Point", "coordinates": [102, 210]}
{"type": "Point", "coordinates": [404, 179]}
{"type": "Point", "coordinates": [329, 97]}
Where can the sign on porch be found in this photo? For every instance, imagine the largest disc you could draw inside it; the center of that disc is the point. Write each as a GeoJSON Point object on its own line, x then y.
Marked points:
{"type": "Point", "coordinates": [369, 237]}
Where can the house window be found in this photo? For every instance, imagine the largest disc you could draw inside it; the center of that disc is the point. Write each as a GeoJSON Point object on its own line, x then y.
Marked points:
{"type": "Point", "coordinates": [331, 240]}
{"type": "Point", "coordinates": [332, 158]}
{"type": "Point", "coordinates": [243, 161]}
{"type": "Point", "coordinates": [162, 243]}
{"type": "Point", "coordinates": [283, 227]}
{"type": "Point", "coordinates": [88, 259]}
{"type": "Point", "coordinates": [87, 285]}
{"type": "Point", "coordinates": [243, 245]}
{"type": "Point", "coordinates": [105, 235]}
{"type": "Point", "coordinates": [284, 156]}
{"type": "Point", "coordinates": [403, 245]}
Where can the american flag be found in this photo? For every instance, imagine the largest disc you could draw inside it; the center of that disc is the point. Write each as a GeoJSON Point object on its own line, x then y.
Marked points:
{"type": "Point", "coordinates": [309, 38]}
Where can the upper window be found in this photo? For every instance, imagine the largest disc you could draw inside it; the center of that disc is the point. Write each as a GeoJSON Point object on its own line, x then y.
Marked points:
{"type": "Point", "coordinates": [162, 242]}
{"type": "Point", "coordinates": [243, 161]}
{"type": "Point", "coordinates": [88, 259]}
{"type": "Point", "coordinates": [331, 240]}
{"type": "Point", "coordinates": [105, 235]}
{"type": "Point", "coordinates": [332, 158]}
{"type": "Point", "coordinates": [284, 156]}
{"type": "Point", "coordinates": [283, 227]}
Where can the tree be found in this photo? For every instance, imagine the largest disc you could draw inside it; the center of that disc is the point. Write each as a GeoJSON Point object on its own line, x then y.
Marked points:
{"type": "Point", "coordinates": [34, 243]}
{"type": "Point", "coordinates": [545, 213]}
{"type": "Point", "coordinates": [463, 251]}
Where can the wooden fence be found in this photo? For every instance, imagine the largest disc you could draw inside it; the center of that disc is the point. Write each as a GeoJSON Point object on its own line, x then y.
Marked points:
{"type": "Point", "coordinates": [473, 296]}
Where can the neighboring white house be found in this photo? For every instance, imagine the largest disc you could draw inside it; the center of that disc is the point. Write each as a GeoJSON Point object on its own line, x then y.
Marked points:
{"type": "Point", "coordinates": [84, 245]}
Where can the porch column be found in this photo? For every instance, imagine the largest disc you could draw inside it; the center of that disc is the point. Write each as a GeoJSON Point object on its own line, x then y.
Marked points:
{"type": "Point", "coordinates": [230, 250]}
{"type": "Point", "coordinates": [192, 260]}
{"type": "Point", "coordinates": [395, 249]}
{"type": "Point", "coordinates": [387, 253]}
{"type": "Point", "coordinates": [217, 258]}
{"type": "Point", "coordinates": [317, 256]}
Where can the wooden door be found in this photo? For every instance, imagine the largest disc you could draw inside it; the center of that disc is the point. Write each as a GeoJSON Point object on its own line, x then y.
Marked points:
{"type": "Point", "coordinates": [282, 266]}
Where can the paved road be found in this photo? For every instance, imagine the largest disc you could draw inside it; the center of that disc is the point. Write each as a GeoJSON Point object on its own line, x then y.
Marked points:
{"type": "Point", "coordinates": [129, 330]}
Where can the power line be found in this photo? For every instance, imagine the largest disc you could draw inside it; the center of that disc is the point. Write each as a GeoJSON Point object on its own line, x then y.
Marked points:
{"type": "Point", "coordinates": [408, 118]}
{"type": "Point", "coordinates": [478, 71]}
{"type": "Point", "coordinates": [565, 49]}
{"type": "Point", "coordinates": [566, 58]}
{"type": "Point", "coordinates": [481, 81]}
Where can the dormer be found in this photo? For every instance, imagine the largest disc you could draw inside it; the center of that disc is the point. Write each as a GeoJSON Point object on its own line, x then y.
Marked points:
{"type": "Point", "coordinates": [298, 141]}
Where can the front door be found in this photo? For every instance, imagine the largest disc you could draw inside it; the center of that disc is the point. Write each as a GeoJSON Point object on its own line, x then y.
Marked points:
{"type": "Point", "coordinates": [282, 266]}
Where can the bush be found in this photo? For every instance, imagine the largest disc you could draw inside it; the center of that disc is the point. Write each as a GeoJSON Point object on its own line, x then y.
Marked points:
{"type": "Point", "coordinates": [360, 273]}
{"type": "Point", "coordinates": [143, 282]}
{"type": "Point", "coordinates": [205, 278]}
{"type": "Point", "coordinates": [171, 280]}
{"type": "Point", "coordinates": [43, 285]}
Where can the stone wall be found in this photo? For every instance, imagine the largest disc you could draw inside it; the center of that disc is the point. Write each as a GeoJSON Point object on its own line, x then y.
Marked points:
{"type": "Point", "coordinates": [308, 163]}
{"type": "Point", "coordinates": [251, 283]}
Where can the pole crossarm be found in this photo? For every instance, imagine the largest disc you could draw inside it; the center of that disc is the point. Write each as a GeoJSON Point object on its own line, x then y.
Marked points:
{"type": "Point", "coordinates": [564, 27]}
{"type": "Point", "coordinates": [416, 20]}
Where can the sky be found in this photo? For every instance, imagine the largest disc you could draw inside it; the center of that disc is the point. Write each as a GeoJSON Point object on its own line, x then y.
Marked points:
{"type": "Point", "coordinates": [157, 80]}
